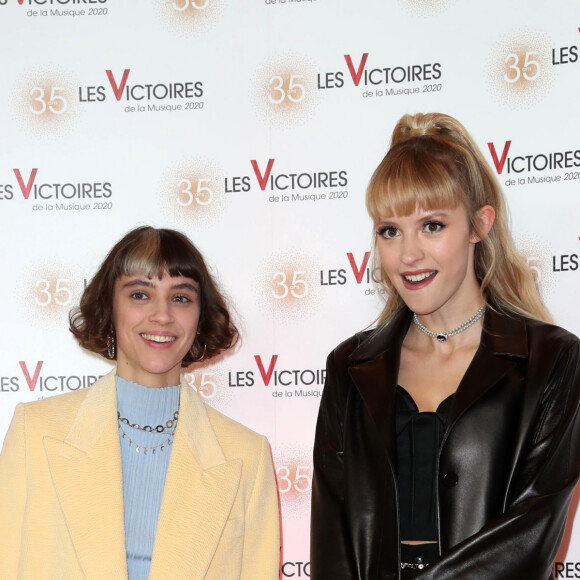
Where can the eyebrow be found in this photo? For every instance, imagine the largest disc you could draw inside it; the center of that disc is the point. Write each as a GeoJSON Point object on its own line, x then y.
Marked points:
{"type": "Point", "coordinates": [185, 286]}
{"type": "Point", "coordinates": [426, 216]}
{"type": "Point", "coordinates": [432, 215]}
{"type": "Point", "coordinates": [148, 284]}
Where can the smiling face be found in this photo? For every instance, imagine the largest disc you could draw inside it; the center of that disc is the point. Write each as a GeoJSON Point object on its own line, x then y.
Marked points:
{"type": "Point", "coordinates": [428, 257]}
{"type": "Point", "coordinates": [155, 321]}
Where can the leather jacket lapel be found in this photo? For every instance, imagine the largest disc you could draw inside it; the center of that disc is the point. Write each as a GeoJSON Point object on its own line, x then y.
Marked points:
{"type": "Point", "coordinates": [503, 342]}
{"type": "Point", "coordinates": [87, 476]}
{"type": "Point", "coordinates": [375, 372]}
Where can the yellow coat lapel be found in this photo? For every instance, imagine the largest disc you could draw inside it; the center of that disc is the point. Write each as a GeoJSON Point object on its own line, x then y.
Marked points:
{"type": "Point", "coordinates": [86, 472]}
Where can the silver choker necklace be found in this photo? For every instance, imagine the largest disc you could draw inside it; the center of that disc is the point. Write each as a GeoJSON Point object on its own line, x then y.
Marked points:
{"type": "Point", "coordinates": [168, 428]}
{"type": "Point", "coordinates": [443, 336]}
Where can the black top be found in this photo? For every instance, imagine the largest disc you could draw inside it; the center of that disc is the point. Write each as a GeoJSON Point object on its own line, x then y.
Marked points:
{"type": "Point", "coordinates": [419, 437]}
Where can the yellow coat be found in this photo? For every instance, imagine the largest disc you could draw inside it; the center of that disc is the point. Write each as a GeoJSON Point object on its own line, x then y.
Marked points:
{"type": "Point", "coordinates": [61, 498]}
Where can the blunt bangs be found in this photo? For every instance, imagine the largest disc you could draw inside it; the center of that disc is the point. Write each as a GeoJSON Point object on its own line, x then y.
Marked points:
{"type": "Point", "coordinates": [413, 176]}
{"type": "Point", "coordinates": [158, 252]}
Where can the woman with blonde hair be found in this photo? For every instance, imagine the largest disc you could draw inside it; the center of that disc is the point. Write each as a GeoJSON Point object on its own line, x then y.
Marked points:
{"type": "Point", "coordinates": [136, 477]}
{"type": "Point", "coordinates": [447, 443]}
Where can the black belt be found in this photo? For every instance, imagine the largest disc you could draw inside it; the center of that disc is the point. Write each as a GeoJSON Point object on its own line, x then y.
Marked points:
{"type": "Point", "coordinates": [413, 565]}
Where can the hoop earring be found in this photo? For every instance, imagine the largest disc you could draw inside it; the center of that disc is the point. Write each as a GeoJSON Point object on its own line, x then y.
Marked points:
{"type": "Point", "coordinates": [202, 356]}
{"type": "Point", "coordinates": [111, 349]}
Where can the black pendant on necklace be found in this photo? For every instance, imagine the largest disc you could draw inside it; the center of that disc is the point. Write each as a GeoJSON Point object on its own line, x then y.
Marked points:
{"type": "Point", "coordinates": [441, 338]}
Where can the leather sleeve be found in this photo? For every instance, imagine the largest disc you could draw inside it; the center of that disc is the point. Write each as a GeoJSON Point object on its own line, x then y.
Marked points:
{"type": "Point", "coordinates": [12, 494]}
{"type": "Point", "coordinates": [330, 552]}
{"type": "Point", "coordinates": [524, 541]}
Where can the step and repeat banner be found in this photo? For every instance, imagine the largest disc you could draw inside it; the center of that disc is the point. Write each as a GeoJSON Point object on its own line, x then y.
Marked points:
{"type": "Point", "coordinates": [253, 126]}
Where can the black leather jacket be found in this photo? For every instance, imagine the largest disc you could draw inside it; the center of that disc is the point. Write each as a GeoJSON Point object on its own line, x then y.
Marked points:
{"type": "Point", "coordinates": [508, 463]}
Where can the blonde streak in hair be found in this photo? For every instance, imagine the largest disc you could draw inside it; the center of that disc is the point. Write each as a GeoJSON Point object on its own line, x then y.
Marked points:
{"type": "Point", "coordinates": [145, 257]}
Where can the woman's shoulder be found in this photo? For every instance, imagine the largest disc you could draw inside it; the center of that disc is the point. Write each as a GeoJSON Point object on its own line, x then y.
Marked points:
{"type": "Point", "coordinates": [372, 342]}
{"type": "Point", "coordinates": [233, 433]}
{"type": "Point", "coordinates": [55, 409]}
{"type": "Point", "coordinates": [51, 416]}
{"type": "Point", "coordinates": [547, 347]}
{"type": "Point", "coordinates": [543, 333]}
{"type": "Point", "coordinates": [343, 350]}
{"type": "Point", "coordinates": [55, 404]}
{"type": "Point", "coordinates": [375, 339]}
{"type": "Point", "coordinates": [512, 333]}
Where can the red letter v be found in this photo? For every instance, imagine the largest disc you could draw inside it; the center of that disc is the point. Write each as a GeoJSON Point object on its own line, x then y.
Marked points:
{"type": "Point", "coordinates": [499, 163]}
{"type": "Point", "coordinates": [118, 90]}
{"type": "Point", "coordinates": [31, 381]}
{"type": "Point", "coordinates": [358, 274]}
{"type": "Point", "coordinates": [262, 179]}
{"type": "Point", "coordinates": [266, 376]}
{"type": "Point", "coordinates": [356, 76]}
{"type": "Point", "coordinates": [25, 188]}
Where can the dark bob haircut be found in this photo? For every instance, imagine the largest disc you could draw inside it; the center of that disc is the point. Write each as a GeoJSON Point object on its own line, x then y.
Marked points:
{"type": "Point", "coordinates": [153, 253]}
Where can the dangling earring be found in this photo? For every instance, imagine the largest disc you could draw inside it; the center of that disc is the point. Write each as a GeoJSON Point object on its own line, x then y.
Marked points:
{"type": "Point", "coordinates": [111, 350]}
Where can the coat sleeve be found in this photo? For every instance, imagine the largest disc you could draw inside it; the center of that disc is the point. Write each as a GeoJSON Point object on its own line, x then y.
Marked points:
{"type": "Point", "coordinates": [12, 494]}
{"type": "Point", "coordinates": [523, 542]}
{"type": "Point", "coordinates": [330, 554]}
{"type": "Point", "coordinates": [261, 555]}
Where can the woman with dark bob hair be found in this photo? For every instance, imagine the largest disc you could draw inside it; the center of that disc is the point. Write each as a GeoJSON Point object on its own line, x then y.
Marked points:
{"type": "Point", "coordinates": [448, 438]}
{"type": "Point", "coordinates": [136, 477]}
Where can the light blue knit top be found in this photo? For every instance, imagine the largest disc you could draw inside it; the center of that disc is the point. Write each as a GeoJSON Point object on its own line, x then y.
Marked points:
{"type": "Point", "coordinates": [144, 472]}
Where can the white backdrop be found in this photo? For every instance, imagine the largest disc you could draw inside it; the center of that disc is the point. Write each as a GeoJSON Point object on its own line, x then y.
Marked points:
{"type": "Point", "coordinates": [254, 126]}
